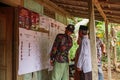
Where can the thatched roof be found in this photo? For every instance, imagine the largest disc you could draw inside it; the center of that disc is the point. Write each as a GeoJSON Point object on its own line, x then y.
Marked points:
{"type": "Point", "coordinates": [109, 9]}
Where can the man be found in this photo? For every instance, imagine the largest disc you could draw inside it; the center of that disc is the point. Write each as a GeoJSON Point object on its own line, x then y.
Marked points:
{"type": "Point", "coordinates": [100, 50]}
{"type": "Point", "coordinates": [59, 54]}
{"type": "Point", "coordinates": [84, 61]}
{"type": "Point", "coordinates": [77, 73]}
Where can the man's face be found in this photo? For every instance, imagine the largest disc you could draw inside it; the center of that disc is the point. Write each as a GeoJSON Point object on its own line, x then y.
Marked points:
{"type": "Point", "coordinates": [68, 32]}
{"type": "Point", "coordinates": [80, 33]}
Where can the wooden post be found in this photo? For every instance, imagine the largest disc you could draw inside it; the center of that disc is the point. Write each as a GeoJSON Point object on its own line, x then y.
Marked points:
{"type": "Point", "coordinates": [93, 41]}
{"type": "Point", "coordinates": [115, 57]}
{"type": "Point", "coordinates": [113, 45]}
{"type": "Point", "coordinates": [108, 50]}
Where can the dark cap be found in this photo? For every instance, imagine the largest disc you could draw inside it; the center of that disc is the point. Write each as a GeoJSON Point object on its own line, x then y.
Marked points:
{"type": "Point", "coordinates": [70, 27]}
{"type": "Point", "coordinates": [83, 27]}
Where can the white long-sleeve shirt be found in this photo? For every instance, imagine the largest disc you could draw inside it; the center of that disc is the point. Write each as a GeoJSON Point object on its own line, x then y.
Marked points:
{"type": "Point", "coordinates": [84, 60]}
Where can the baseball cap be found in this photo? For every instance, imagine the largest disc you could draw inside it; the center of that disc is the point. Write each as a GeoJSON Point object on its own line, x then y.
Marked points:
{"type": "Point", "coordinates": [70, 27]}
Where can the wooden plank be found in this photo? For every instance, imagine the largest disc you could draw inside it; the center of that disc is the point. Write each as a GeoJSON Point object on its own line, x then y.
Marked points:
{"type": "Point", "coordinates": [53, 7]}
{"type": "Point", "coordinates": [113, 10]}
{"type": "Point", "coordinates": [87, 16]}
{"type": "Point", "coordinates": [6, 20]}
{"type": "Point", "coordinates": [15, 45]}
{"type": "Point", "coordinates": [112, 13]}
{"type": "Point", "coordinates": [81, 7]}
{"type": "Point", "coordinates": [114, 0]}
{"type": "Point", "coordinates": [96, 3]}
{"type": "Point", "coordinates": [117, 18]}
{"type": "Point", "coordinates": [114, 21]}
{"type": "Point", "coordinates": [71, 2]}
{"type": "Point", "coordinates": [12, 2]}
{"type": "Point", "coordinates": [115, 4]}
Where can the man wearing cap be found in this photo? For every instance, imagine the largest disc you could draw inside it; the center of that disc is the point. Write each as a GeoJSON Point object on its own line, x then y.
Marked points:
{"type": "Point", "coordinates": [100, 49]}
{"type": "Point", "coordinates": [84, 60]}
{"type": "Point", "coordinates": [59, 54]}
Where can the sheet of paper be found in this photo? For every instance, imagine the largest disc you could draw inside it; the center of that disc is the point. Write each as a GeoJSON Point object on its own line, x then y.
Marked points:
{"type": "Point", "coordinates": [32, 51]}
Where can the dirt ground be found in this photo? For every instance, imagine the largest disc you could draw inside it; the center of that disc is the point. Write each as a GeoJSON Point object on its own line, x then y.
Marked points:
{"type": "Point", "coordinates": [115, 75]}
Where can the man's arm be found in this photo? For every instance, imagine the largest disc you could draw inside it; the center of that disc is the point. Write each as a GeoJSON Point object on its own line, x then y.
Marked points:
{"type": "Point", "coordinates": [81, 57]}
{"type": "Point", "coordinates": [103, 48]}
{"type": "Point", "coordinates": [54, 49]}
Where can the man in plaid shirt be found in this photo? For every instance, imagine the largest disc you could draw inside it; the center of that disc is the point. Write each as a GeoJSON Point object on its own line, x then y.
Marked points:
{"type": "Point", "coordinates": [59, 54]}
{"type": "Point", "coordinates": [100, 51]}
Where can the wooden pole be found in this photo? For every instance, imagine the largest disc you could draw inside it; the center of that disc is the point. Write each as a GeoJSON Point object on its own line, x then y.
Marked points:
{"type": "Point", "coordinates": [108, 50]}
{"type": "Point", "coordinates": [113, 45]}
{"type": "Point", "coordinates": [97, 4]}
{"type": "Point", "coordinates": [93, 41]}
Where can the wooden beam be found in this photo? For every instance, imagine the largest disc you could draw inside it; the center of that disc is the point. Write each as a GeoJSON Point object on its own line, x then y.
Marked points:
{"type": "Point", "coordinates": [93, 41]}
{"type": "Point", "coordinates": [96, 3]}
{"type": "Point", "coordinates": [113, 16]}
{"type": "Point", "coordinates": [111, 7]}
{"type": "Point", "coordinates": [114, 0]}
{"type": "Point", "coordinates": [114, 21]}
{"type": "Point", "coordinates": [12, 3]}
{"type": "Point", "coordinates": [50, 5]}
{"type": "Point", "coordinates": [82, 12]}
{"type": "Point", "coordinates": [71, 2]}
{"type": "Point", "coordinates": [76, 11]}
{"type": "Point", "coordinates": [108, 50]}
{"type": "Point", "coordinates": [73, 6]}
{"type": "Point", "coordinates": [115, 4]}
{"type": "Point", "coordinates": [112, 12]}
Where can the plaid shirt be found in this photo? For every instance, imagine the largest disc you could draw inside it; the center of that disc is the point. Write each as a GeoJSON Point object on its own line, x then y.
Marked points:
{"type": "Point", "coordinates": [61, 46]}
{"type": "Point", "coordinates": [99, 50]}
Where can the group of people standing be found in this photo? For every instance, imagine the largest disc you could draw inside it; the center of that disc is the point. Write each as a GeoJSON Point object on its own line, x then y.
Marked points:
{"type": "Point", "coordinates": [59, 55]}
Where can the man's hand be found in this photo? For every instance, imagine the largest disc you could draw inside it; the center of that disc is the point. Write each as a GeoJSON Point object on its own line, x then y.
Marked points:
{"type": "Point", "coordinates": [51, 62]}
{"type": "Point", "coordinates": [78, 69]}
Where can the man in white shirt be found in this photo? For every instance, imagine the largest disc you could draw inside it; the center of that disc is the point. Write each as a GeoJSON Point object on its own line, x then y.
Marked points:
{"type": "Point", "coordinates": [84, 61]}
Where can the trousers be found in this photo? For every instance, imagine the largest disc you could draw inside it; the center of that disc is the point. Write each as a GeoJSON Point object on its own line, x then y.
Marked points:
{"type": "Point", "coordinates": [100, 73]}
{"type": "Point", "coordinates": [60, 71]}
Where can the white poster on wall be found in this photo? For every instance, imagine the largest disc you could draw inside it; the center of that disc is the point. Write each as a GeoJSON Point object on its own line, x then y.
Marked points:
{"type": "Point", "coordinates": [33, 55]}
{"type": "Point", "coordinates": [44, 22]}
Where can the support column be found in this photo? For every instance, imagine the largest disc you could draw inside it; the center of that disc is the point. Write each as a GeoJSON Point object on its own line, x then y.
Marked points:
{"type": "Point", "coordinates": [108, 50]}
{"type": "Point", "coordinates": [93, 41]}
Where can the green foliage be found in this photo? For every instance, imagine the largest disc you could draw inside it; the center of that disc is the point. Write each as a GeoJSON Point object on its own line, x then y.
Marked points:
{"type": "Point", "coordinates": [104, 58]}
{"type": "Point", "coordinates": [100, 26]}
{"type": "Point", "coordinates": [78, 19]}
{"type": "Point", "coordinates": [118, 35]}
{"type": "Point", "coordinates": [70, 21]}
{"type": "Point", "coordinates": [74, 47]}
{"type": "Point", "coordinates": [118, 53]}
{"type": "Point", "coordinates": [73, 50]}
